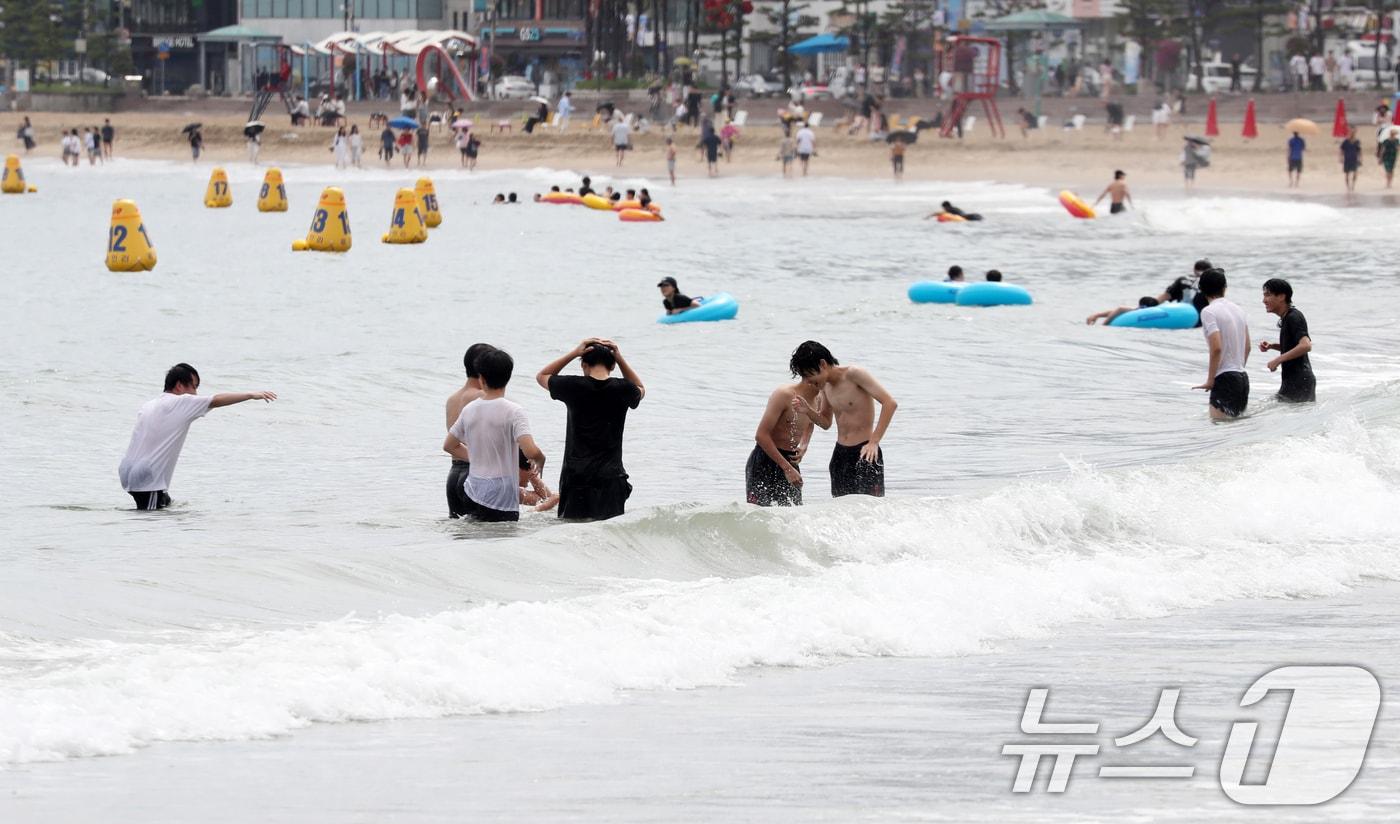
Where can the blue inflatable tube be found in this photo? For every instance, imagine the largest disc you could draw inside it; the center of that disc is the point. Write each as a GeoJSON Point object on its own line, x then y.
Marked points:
{"type": "Point", "coordinates": [993, 294]}
{"type": "Point", "coordinates": [935, 291]}
{"type": "Point", "coordinates": [1165, 316]}
{"type": "Point", "coordinates": [721, 306]}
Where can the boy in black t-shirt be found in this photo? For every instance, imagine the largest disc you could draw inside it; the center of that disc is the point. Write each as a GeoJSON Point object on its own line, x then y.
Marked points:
{"type": "Point", "coordinates": [593, 481]}
{"type": "Point", "coordinates": [1299, 384]}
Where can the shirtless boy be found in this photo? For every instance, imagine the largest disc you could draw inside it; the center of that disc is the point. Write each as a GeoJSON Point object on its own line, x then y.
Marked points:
{"type": "Point", "coordinates": [772, 476]}
{"type": "Point", "coordinates": [848, 394]}
{"type": "Point", "coordinates": [1117, 192]}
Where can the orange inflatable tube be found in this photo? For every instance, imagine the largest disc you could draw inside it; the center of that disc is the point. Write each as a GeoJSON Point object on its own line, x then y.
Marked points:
{"type": "Point", "coordinates": [949, 217]}
{"type": "Point", "coordinates": [638, 216]}
{"type": "Point", "coordinates": [560, 197]}
{"type": "Point", "coordinates": [1075, 205]}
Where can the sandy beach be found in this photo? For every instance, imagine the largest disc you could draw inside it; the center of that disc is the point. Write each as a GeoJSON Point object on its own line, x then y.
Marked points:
{"type": "Point", "coordinates": [1082, 160]}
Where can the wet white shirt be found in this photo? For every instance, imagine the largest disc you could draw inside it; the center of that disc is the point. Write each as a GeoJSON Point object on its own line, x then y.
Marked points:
{"type": "Point", "coordinates": [492, 429]}
{"type": "Point", "coordinates": [1228, 319]}
{"type": "Point", "coordinates": [161, 427]}
{"type": "Point", "coordinates": [621, 134]}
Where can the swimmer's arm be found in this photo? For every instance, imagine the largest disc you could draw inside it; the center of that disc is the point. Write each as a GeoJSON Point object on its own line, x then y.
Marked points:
{"type": "Point", "coordinates": [821, 416]}
{"type": "Point", "coordinates": [628, 373]}
{"type": "Point", "coordinates": [557, 365]}
{"type": "Point", "coordinates": [455, 448]}
{"type": "Point", "coordinates": [532, 453]}
{"type": "Point", "coordinates": [1101, 196]}
{"type": "Point", "coordinates": [1304, 347]}
{"type": "Point", "coordinates": [231, 398]}
{"type": "Point", "coordinates": [1246, 345]}
{"type": "Point", "coordinates": [772, 413]}
{"type": "Point", "coordinates": [888, 404]}
{"type": "Point", "coordinates": [1128, 196]}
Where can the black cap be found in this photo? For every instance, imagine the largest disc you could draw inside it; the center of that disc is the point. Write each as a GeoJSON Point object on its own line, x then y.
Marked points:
{"type": "Point", "coordinates": [669, 282]}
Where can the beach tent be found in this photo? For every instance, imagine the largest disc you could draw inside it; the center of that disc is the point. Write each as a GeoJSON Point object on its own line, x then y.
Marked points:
{"type": "Point", "coordinates": [240, 36]}
{"type": "Point", "coordinates": [1027, 21]}
{"type": "Point", "coordinates": [821, 44]}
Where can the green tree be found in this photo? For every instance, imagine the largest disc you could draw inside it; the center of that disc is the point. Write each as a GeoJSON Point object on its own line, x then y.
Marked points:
{"type": "Point", "coordinates": [31, 31]}
{"type": "Point", "coordinates": [788, 23]}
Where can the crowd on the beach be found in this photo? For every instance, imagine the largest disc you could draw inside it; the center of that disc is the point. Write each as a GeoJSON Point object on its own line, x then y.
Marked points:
{"type": "Point", "coordinates": [95, 142]}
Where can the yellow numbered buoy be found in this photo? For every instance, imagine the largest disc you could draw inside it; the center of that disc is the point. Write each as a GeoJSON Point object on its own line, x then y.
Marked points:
{"type": "Point", "coordinates": [129, 248]}
{"type": "Point", "coordinates": [13, 181]}
{"type": "Point", "coordinates": [427, 202]}
{"type": "Point", "coordinates": [406, 221]}
{"type": "Point", "coordinates": [218, 195]}
{"type": "Point", "coordinates": [273, 195]}
{"type": "Point", "coordinates": [330, 225]}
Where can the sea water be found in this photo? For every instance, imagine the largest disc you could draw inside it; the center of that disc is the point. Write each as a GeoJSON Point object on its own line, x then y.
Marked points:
{"type": "Point", "coordinates": [1051, 487]}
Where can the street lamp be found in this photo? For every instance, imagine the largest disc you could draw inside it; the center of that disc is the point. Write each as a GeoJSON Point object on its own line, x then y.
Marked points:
{"type": "Point", "coordinates": [600, 59]}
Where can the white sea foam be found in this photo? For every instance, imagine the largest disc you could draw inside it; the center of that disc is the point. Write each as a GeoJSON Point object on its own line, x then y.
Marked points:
{"type": "Point", "coordinates": [850, 578]}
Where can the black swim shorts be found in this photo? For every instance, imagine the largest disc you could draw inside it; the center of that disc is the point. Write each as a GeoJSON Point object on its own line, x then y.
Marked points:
{"type": "Point", "coordinates": [1230, 393]}
{"type": "Point", "coordinates": [151, 500]}
{"type": "Point", "coordinates": [456, 495]}
{"type": "Point", "coordinates": [1116, 208]}
{"type": "Point", "coordinates": [852, 476]}
{"type": "Point", "coordinates": [766, 483]}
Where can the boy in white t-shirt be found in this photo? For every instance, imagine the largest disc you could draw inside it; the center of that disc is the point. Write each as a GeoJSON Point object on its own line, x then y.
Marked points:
{"type": "Point", "coordinates": [161, 427]}
{"type": "Point", "coordinates": [1227, 338]}
{"type": "Point", "coordinates": [496, 433]}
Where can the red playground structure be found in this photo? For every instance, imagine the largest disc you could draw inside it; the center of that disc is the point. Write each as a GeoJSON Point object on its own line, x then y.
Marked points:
{"type": "Point", "coordinates": [976, 63]}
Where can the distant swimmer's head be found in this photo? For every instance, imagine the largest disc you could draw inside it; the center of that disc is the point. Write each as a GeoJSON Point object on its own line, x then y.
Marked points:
{"type": "Point", "coordinates": [947, 205]}
{"type": "Point", "coordinates": [631, 194]}
{"type": "Point", "coordinates": [538, 197]}
{"type": "Point", "coordinates": [182, 379]}
{"type": "Point", "coordinates": [955, 273]}
{"type": "Point", "coordinates": [1146, 302]}
{"type": "Point", "coordinates": [554, 188]}
{"type": "Point", "coordinates": [587, 180]}
{"type": "Point", "coordinates": [668, 287]}
{"type": "Point", "coordinates": [1278, 296]}
{"type": "Point", "coordinates": [1119, 174]}
{"type": "Point", "coordinates": [474, 352]}
{"type": "Point", "coordinates": [499, 198]}
{"type": "Point", "coordinates": [1201, 266]}
{"type": "Point", "coordinates": [598, 354]}
{"type": "Point", "coordinates": [1212, 283]}
{"type": "Point", "coordinates": [812, 362]}
{"type": "Point", "coordinates": [496, 367]}
{"type": "Point", "coordinates": [512, 199]}
{"type": "Point", "coordinates": [993, 276]}
{"type": "Point", "coordinates": [615, 197]}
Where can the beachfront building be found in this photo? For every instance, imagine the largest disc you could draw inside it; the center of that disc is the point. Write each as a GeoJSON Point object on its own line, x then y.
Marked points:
{"type": "Point", "coordinates": [164, 48]}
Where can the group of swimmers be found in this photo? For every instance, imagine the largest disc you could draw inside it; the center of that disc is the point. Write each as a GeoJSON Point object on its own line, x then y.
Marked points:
{"type": "Point", "coordinates": [585, 188]}
{"type": "Point", "coordinates": [497, 465]}
{"type": "Point", "coordinates": [1228, 342]}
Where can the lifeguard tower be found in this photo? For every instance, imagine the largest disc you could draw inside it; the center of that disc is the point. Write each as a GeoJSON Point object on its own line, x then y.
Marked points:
{"type": "Point", "coordinates": [979, 84]}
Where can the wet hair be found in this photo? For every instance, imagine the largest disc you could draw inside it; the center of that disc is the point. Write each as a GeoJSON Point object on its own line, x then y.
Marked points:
{"type": "Point", "coordinates": [1147, 302]}
{"type": "Point", "coordinates": [554, 188]}
{"type": "Point", "coordinates": [511, 199]}
{"type": "Point", "coordinates": [615, 197]}
{"type": "Point", "coordinates": [631, 194]}
{"type": "Point", "coordinates": [587, 180]}
{"type": "Point", "coordinates": [955, 272]}
{"type": "Point", "coordinates": [599, 355]}
{"type": "Point", "coordinates": [1212, 283]}
{"type": "Point", "coordinates": [1119, 174]}
{"type": "Point", "coordinates": [1279, 286]}
{"type": "Point", "coordinates": [181, 373]}
{"type": "Point", "coordinates": [993, 276]}
{"type": "Point", "coordinates": [807, 359]}
{"type": "Point", "coordinates": [1202, 265]}
{"type": "Point", "coordinates": [476, 350]}
{"type": "Point", "coordinates": [495, 367]}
